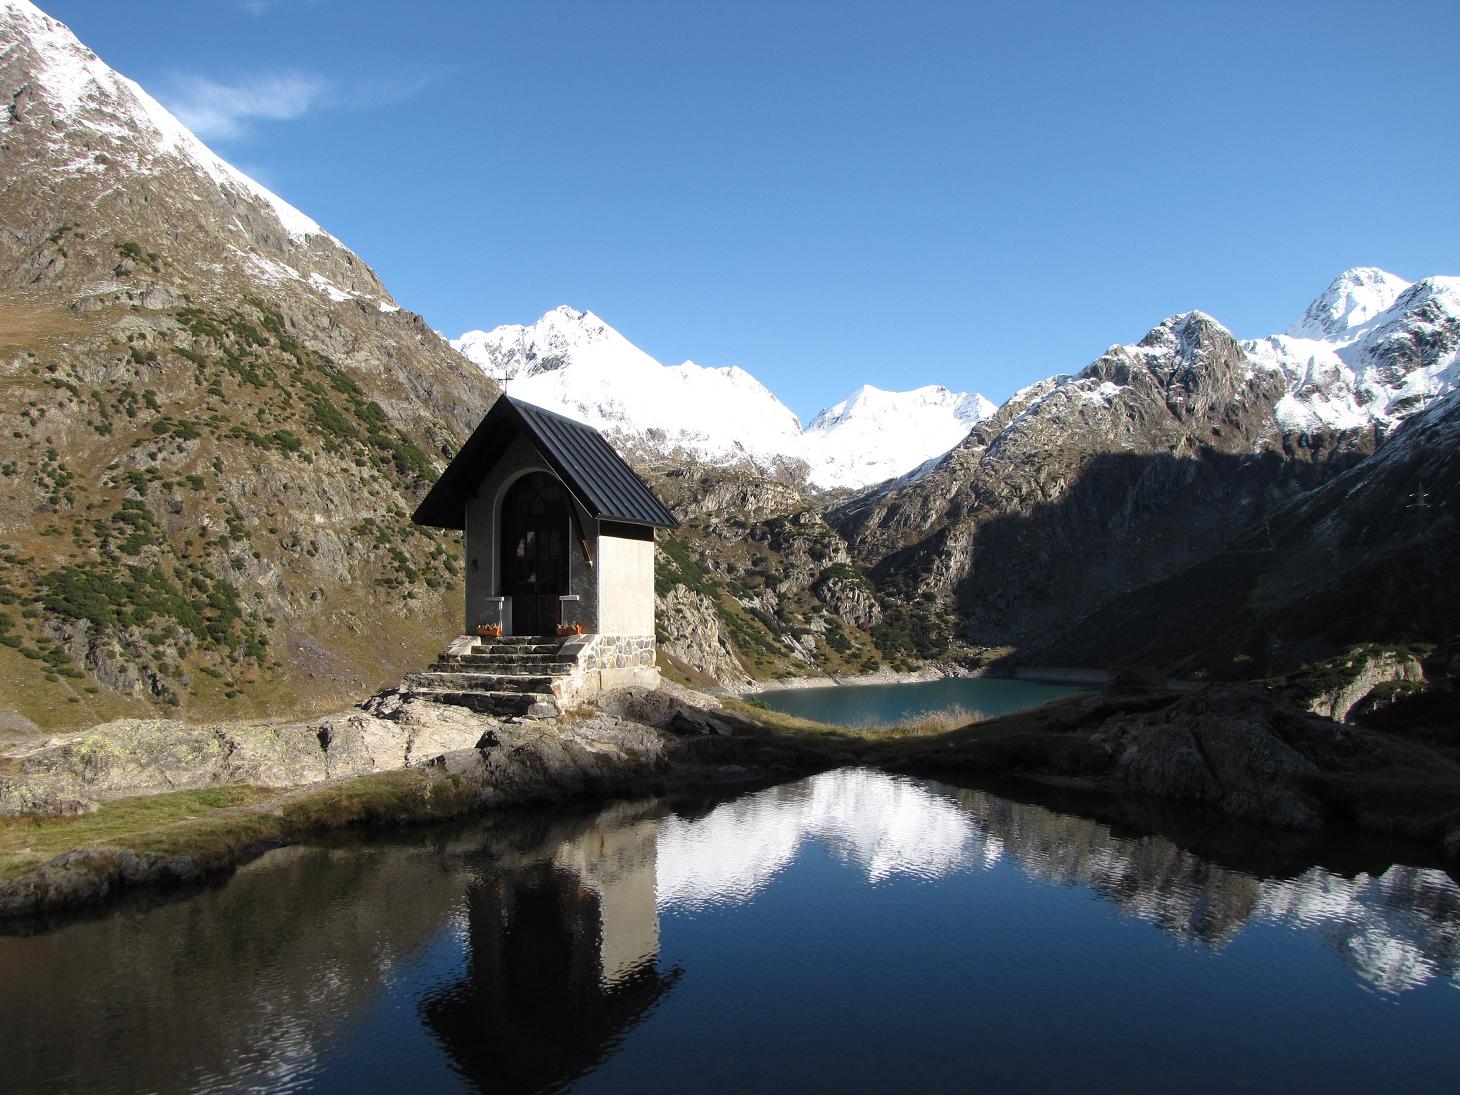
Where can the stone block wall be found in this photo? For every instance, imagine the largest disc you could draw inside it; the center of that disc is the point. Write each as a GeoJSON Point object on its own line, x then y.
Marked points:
{"type": "Point", "coordinates": [618, 652]}
{"type": "Point", "coordinates": [608, 661]}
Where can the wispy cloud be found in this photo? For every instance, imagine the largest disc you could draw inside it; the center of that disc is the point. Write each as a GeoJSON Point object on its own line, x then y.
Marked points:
{"type": "Point", "coordinates": [213, 109]}
{"type": "Point", "coordinates": [263, 7]}
{"type": "Point", "coordinates": [394, 87]}
{"type": "Point", "coordinates": [222, 110]}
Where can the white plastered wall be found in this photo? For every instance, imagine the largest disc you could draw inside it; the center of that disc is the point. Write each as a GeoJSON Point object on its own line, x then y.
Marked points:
{"type": "Point", "coordinates": [625, 586]}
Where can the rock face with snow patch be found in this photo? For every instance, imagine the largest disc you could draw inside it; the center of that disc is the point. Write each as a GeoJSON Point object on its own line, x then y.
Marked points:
{"type": "Point", "coordinates": [1363, 558]}
{"type": "Point", "coordinates": [1083, 488]}
{"type": "Point", "coordinates": [1084, 485]}
{"type": "Point", "coordinates": [1369, 352]}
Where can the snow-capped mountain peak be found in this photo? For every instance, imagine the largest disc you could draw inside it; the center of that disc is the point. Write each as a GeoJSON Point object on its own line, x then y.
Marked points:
{"type": "Point", "coordinates": [1370, 351]}
{"type": "Point", "coordinates": [868, 402]}
{"type": "Point", "coordinates": [1353, 299]}
{"type": "Point", "coordinates": [575, 363]}
{"type": "Point", "coordinates": [82, 88]}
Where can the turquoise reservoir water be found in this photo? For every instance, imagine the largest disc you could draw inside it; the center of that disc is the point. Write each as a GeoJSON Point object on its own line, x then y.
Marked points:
{"type": "Point", "coordinates": [854, 932]}
{"type": "Point", "coordinates": [880, 704]}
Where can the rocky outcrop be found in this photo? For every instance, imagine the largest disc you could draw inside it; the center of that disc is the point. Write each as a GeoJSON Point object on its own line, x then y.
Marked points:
{"type": "Point", "coordinates": [690, 630]}
{"type": "Point", "coordinates": [692, 491]}
{"type": "Point", "coordinates": [1228, 748]}
{"type": "Point", "coordinates": [507, 764]}
{"type": "Point", "coordinates": [849, 595]}
{"type": "Point", "coordinates": [1082, 486]}
{"type": "Point", "coordinates": [1369, 671]}
{"type": "Point", "coordinates": [72, 773]}
{"type": "Point", "coordinates": [781, 579]}
{"type": "Point", "coordinates": [1236, 750]}
{"type": "Point", "coordinates": [427, 762]}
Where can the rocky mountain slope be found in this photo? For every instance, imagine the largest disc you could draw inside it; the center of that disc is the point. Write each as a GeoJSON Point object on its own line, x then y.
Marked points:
{"type": "Point", "coordinates": [1081, 489]}
{"type": "Point", "coordinates": [218, 421]}
{"type": "Point", "coordinates": [578, 365]}
{"type": "Point", "coordinates": [1367, 557]}
{"type": "Point", "coordinates": [754, 584]}
{"type": "Point", "coordinates": [1150, 460]}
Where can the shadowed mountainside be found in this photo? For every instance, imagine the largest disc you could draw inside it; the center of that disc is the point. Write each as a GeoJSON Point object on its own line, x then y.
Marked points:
{"type": "Point", "coordinates": [1364, 558]}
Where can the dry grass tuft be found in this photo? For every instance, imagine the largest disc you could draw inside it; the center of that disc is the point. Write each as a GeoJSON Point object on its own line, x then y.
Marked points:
{"type": "Point", "coordinates": [922, 724]}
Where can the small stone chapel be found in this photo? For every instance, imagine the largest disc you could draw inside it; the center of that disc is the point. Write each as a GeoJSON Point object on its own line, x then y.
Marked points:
{"type": "Point", "coordinates": [559, 535]}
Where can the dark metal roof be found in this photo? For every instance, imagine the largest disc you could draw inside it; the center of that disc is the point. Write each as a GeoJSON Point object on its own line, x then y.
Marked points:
{"type": "Point", "coordinates": [596, 474]}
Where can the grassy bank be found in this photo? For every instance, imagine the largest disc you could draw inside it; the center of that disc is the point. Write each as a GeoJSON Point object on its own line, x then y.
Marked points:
{"type": "Point", "coordinates": [56, 863]}
{"type": "Point", "coordinates": [141, 822]}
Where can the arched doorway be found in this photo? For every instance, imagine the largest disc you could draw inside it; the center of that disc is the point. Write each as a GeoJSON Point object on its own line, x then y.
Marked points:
{"type": "Point", "coordinates": [535, 552]}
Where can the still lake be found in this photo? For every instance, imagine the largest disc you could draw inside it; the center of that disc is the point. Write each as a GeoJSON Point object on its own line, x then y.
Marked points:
{"type": "Point", "coordinates": [880, 704]}
{"type": "Point", "coordinates": [850, 932]}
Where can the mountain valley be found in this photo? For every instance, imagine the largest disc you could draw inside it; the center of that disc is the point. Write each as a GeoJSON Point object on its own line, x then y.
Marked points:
{"type": "Point", "coordinates": [219, 421]}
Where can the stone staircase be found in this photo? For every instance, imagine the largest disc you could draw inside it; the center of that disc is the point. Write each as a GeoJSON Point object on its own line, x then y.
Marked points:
{"type": "Point", "coordinates": [503, 676]}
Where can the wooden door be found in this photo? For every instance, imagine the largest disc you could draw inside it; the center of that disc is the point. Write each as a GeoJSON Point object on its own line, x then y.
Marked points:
{"type": "Point", "coordinates": [535, 552]}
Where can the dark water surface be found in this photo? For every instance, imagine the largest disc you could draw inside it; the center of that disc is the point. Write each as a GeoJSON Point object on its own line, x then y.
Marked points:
{"type": "Point", "coordinates": [850, 932]}
{"type": "Point", "coordinates": [880, 704]}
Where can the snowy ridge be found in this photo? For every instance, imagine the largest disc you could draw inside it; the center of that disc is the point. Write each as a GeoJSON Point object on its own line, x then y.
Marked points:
{"type": "Point", "coordinates": [1369, 352]}
{"type": "Point", "coordinates": [575, 363]}
{"type": "Point", "coordinates": [872, 435]}
{"type": "Point", "coordinates": [1353, 299]}
{"type": "Point", "coordinates": [84, 89]}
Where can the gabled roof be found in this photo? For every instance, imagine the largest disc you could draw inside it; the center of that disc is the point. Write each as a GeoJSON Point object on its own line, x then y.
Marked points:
{"type": "Point", "coordinates": [579, 454]}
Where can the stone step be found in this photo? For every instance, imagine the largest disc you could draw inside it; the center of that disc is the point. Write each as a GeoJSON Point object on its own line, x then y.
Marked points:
{"type": "Point", "coordinates": [494, 703]}
{"type": "Point", "coordinates": [513, 649]}
{"type": "Point", "coordinates": [515, 643]}
{"type": "Point", "coordinates": [541, 663]}
{"type": "Point", "coordinates": [480, 682]}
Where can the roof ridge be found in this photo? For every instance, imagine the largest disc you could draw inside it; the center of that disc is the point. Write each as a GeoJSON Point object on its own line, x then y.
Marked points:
{"type": "Point", "coordinates": [592, 469]}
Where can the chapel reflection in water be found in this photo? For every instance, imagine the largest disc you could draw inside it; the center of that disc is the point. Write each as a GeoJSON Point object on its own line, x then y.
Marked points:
{"type": "Point", "coordinates": [562, 958]}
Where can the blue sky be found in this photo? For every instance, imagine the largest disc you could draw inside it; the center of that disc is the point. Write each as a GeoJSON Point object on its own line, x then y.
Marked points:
{"type": "Point", "coordinates": [831, 194]}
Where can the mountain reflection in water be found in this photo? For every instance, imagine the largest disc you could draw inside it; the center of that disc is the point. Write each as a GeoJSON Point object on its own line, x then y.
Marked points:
{"type": "Point", "coordinates": [524, 951]}
{"type": "Point", "coordinates": [1395, 930]}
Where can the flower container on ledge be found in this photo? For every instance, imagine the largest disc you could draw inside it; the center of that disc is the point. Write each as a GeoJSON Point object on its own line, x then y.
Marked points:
{"type": "Point", "coordinates": [489, 631]}
{"type": "Point", "coordinates": [569, 629]}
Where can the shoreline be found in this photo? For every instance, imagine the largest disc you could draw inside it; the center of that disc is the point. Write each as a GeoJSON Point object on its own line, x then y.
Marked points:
{"type": "Point", "coordinates": [1262, 761]}
{"type": "Point", "coordinates": [73, 850]}
{"type": "Point", "coordinates": [1090, 678]}
{"type": "Point", "coordinates": [877, 676]}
